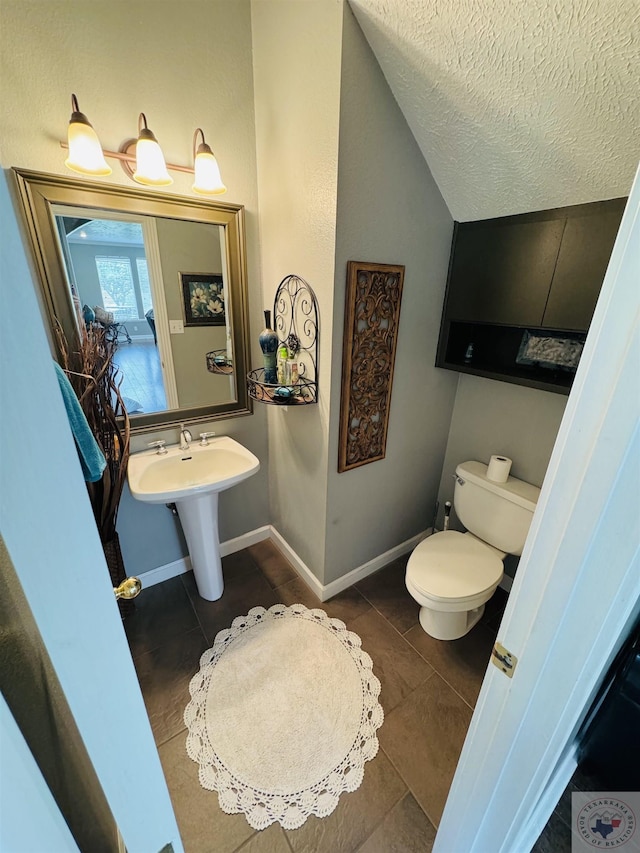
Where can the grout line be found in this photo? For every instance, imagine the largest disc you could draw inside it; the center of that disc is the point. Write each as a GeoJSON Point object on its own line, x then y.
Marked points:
{"type": "Point", "coordinates": [193, 607]}
{"type": "Point", "coordinates": [383, 818]}
{"type": "Point", "coordinates": [170, 738]}
{"type": "Point", "coordinates": [287, 839]}
{"type": "Point", "coordinates": [409, 788]}
{"type": "Point", "coordinates": [246, 842]}
{"type": "Point", "coordinates": [428, 662]}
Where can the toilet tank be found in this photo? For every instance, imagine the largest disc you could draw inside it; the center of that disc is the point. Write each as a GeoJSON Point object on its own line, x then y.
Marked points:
{"type": "Point", "coordinates": [497, 513]}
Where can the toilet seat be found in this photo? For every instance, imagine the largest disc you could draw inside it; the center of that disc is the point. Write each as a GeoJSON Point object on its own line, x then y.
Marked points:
{"type": "Point", "coordinates": [454, 566]}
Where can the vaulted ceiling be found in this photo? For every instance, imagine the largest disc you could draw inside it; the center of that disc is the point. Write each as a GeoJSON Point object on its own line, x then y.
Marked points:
{"type": "Point", "coordinates": [516, 105]}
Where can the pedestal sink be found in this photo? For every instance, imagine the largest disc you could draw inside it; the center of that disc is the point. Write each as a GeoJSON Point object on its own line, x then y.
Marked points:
{"type": "Point", "coordinates": [192, 480]}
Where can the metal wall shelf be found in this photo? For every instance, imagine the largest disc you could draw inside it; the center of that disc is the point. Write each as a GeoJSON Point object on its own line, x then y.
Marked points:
{"type": "Point", "coordinates": [295, 313]}
{"type": "Point", "coordinates": [219, 362]}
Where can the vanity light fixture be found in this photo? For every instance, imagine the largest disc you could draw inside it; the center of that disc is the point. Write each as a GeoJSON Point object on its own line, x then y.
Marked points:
{"type": "Point", "coordinates": [85, 151]}
{"type": "Point", "coordinates": [151, 170]}
{"type": "Point", "coordinates": [86, 156]}
{"type": "Point", "coordinates": [208, 180]}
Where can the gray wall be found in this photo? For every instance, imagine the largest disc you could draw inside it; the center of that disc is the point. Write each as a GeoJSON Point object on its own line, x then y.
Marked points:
{"type": "Point", "coordinates": [391, 211]}
{"type": "Point", "coordinates": [296, 55]}
{"type": "Point", "coordinates": [491, 417]}
{"type": "Point", "coordinates": [192, 247]}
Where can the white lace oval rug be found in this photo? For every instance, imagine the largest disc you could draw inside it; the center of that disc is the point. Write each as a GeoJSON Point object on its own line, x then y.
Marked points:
{"type": "Point", "coordinates": [283, 715]}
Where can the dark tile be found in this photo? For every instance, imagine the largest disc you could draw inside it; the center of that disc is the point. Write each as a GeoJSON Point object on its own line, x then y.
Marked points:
{"type": "Point", "coordinates": [204, 827]}
{"type": "Point", "coordinates": [346, 606]}
{"type": "Point", "coordinates": [555, 838]}
{"type": "Point", "coordinates": [387, 592]}
{"type": "Point", "coordinates": [272, 563]}
{"type": "Point", "coordinates": [398, 666]}
{"type": "Point", "coordinates": [356, 815]}
{"type": "Point", "coordinates": [405, 829]}
{"type": "Point", "coordinates": [239, 563]}
{"type": "Point", "coordinates": [212, 616]}
{"type": "Point", "coordinates": [462, 663]}
{"type": "Point", "coordinates": [162, 611]}
{"type": "Point", "coordinates": [586, 778]}
{"type": "Point", "coordinates": [164, 676]}
{"type": "Point", "coordinates": [241, 593]}
{"type": "Point", "coordinates": [494, 609]}
{"type": "Point", "coordinates": [423, 737]}
{"type": "Point", "coordinates": [269, 840]}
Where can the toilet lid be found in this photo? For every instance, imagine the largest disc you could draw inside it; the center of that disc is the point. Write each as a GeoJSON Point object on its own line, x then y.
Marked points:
{"type": "Point", "coordinates": [454, 565]}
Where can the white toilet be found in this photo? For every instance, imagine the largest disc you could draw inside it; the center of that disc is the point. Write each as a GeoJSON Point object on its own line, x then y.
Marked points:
{"type": "Point", "coordinates": [451, 575]}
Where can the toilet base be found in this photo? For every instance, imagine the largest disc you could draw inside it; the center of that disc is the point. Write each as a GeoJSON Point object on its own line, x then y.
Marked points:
{"type": "Point", "coordinates": [448, 625]}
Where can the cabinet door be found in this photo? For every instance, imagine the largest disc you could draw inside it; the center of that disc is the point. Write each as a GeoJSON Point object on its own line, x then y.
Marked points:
{"type": "Point", "coordinates": [502, 269]}
{"type": "Point", "coordinates": [584, 254]}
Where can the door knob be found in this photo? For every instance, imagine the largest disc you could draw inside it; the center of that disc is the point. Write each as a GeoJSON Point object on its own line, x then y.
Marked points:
{"type": "Point", "coordinates": [129, 588]}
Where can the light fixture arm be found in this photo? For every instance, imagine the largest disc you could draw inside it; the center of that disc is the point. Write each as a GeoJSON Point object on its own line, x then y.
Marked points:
{"type": "Point", "coordinates": [198, 130]}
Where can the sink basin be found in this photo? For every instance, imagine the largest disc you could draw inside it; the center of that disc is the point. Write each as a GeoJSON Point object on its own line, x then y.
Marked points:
{"type": "Point", "coordinates": [177, 474]}
{"type": "Point", "coordinates": [192, 479]}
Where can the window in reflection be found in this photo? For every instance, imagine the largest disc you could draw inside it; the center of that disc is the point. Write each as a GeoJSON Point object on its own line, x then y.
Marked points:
{"type": "Point", "coordinates": [109, 280]}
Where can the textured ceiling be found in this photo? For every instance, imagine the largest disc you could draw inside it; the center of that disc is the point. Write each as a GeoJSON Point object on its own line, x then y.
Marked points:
{"type": "Point", "coordinates": [516, 106]}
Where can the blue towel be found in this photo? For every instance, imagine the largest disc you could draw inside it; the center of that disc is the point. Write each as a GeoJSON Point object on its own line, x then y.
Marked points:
{"type": "Point", "coordinates": [91, 457]}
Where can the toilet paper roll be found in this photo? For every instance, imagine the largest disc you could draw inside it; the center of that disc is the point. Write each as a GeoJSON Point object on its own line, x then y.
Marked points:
{"type": "Point", "coordinates": [498, 469]}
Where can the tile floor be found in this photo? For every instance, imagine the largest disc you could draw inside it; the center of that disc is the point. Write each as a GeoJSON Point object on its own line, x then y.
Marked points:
{"type": "Point", "coordinates": [429, 689]}
{"type": "Point", "coordinates": [142, 381]}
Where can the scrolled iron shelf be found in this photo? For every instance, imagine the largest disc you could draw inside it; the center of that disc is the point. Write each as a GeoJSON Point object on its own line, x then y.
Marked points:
{"type": "Point", "coordinates": [219, 362]}
{"type": "Point", "coordinates": [295, 313]}
{"type": "Point", "coordinates": [301, 393]}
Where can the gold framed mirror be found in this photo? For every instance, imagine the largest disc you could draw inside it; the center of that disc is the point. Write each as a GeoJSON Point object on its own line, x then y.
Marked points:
{"type": "Point", "coordinates": [165, 274]}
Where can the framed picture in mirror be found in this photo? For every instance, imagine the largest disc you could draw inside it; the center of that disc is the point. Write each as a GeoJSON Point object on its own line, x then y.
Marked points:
{"type": "Point", "coordinates": [203, 299]}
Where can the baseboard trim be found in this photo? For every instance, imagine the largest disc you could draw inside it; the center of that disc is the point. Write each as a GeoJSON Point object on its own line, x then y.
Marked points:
{"type": "Point", "coordinates": [179, 567]}
{"type": "Point", "coordinates": [298, 564]}
{"type": "Point", "coordinates": [366, 569]}
{"type": "Point", "coordinates": [245, 540]}
{"type": "Point", "coordinates": [163, 573]}
{"type": "Point", "coordinates": [324, 592]}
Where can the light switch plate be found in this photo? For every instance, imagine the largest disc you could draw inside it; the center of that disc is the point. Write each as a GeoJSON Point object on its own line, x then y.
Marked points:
{"type": "Point", "coordinates": [176, 327]}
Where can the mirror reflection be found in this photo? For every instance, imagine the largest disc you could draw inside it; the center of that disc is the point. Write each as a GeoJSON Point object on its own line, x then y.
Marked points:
{"type": "Point", "coordinates": [129, 274]}
{"type": "Point", "coordinates": [165, 275]}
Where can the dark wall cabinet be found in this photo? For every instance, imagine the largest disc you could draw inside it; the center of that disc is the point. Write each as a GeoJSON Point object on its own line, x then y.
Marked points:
{"type": "Point", "coordinates": [534, 272]}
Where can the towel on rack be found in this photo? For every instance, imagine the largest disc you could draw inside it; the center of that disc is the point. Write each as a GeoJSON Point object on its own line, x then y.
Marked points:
{"type": "Point", "coordinates": [91, 457]}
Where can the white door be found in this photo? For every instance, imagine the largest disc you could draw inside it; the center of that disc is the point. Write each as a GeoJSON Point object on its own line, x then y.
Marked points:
{"type": "Point", "coordinates": [48, 528]}
{"type": "Point", "coordinates": [576, 592]}
{"type": "Point", "coordinates": [31, 820]}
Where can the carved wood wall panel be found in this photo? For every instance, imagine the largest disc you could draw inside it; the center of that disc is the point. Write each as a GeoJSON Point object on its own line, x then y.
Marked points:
{"type": "Point", "coordinates": [372, 314]}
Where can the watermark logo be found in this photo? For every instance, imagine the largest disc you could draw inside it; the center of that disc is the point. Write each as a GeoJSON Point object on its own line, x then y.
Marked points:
{"type": "Point", "coordinates": [605, 821]}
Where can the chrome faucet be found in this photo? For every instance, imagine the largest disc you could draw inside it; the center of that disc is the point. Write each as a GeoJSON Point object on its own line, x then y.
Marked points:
{"type": "Point", "coordinates": [185, 437]}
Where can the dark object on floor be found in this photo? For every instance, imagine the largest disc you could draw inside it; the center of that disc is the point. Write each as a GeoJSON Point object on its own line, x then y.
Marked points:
{"type": "Point", "coordinates": [611, 747]}
{"type": "Point", "coordinates": [152, 322]}
{"type": "Point", "coordinates": [115, 330]}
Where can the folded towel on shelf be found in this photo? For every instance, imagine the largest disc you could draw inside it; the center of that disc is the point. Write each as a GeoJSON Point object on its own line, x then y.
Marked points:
{"type": "Point", "coordinates": [91, 457]}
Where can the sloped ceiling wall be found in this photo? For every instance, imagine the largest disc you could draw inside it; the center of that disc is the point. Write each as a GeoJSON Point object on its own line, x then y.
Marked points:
{"type": "Point", "coordinates": [515, 106]}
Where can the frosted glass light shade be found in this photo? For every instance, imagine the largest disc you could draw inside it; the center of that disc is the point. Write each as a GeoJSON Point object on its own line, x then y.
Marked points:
{"type": "Point", "coordinates": [151, 169]}
{"type": "Point", "coordinates": [85, 151]}
{"type": "Point", "coordinates": [208, 180]}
